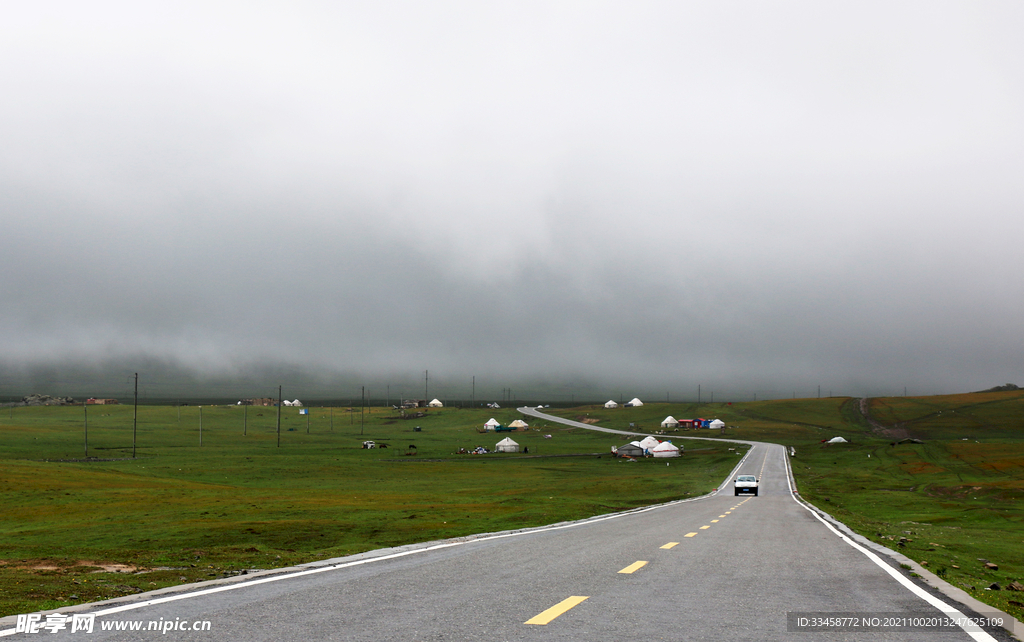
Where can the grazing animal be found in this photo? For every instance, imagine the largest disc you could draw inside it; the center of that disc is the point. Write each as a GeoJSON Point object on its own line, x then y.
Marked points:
{"type": "Point", "coordinates": [382, 445]}
{"type": "Point", "coordinates": [412, 445]}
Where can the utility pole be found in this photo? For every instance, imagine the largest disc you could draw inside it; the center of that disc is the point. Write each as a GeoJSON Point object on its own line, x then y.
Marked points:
{"type": "Point", "coordinates": [362, 402]}
{"type": "Point", "coordinates": [279, 399]}
{"type": "Point", "coordinates": [426, 385]}
{"type": "Point", "coordinates": [135, 417]}
{"type": "Point", "coordinates": [85, 409]}
{"type": "Point", "coordinates": [332, 418]}
{"type": "Point", "coordinates": [245, 419]}
{"type": "Point", "coordinates": [698, 394]}
{"type": "Point", "coordinates": [200, 425]}
{"type": "Point", "coordinates": [472, 395]}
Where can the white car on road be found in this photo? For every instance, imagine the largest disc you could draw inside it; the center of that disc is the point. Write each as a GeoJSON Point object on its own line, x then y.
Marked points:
{"type": "Point", "coordinates": [746, 485]}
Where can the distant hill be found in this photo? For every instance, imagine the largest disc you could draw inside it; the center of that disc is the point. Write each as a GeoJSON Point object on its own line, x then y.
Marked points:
{"type": "Point", "coordinates": [1006, 387]}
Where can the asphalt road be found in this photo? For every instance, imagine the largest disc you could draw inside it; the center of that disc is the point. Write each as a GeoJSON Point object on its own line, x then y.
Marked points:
{"type": "Point", "coordinates": [715, 568]}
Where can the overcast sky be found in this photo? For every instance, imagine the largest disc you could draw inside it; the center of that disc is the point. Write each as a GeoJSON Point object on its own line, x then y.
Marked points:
{"type": "Point", "coordinates": [644, 195]}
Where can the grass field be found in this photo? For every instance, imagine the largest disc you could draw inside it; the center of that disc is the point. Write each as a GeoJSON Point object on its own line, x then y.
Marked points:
{"type": "Point", "coordinates": [181, 512]}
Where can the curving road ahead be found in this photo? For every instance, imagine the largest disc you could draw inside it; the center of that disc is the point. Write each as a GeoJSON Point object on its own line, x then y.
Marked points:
{"type": "Point", "coordinates": [714, 568]}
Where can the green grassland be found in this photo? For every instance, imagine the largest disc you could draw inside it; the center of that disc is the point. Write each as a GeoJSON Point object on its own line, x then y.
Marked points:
{"type": "Point", "coordinates": [957, 497]}
{"type": "Point", "coordinates": [181, 512]}
{"type": "Point", "coordinates": [240, 501]}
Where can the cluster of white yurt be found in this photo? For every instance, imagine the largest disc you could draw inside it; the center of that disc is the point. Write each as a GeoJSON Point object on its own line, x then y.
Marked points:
{"type": "Point", "coordinates": [648, 446]}
{"type": "Point", "coordinates": [632, 403]}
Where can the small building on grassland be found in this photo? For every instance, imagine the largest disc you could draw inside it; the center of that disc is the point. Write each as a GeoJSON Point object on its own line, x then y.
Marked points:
{"type": "Point", "coordinates": [506, 445]}
{"type": "Point", "coordinates": [648, 443]}
{"type": "Point", "coordinates": [102, 402]}
{"type": "Point", "coordinates": [259, 401]}
{"type": "Point", "coordinates": [629, 450]}
{"type": "Point", "coordinates": [665, 449]}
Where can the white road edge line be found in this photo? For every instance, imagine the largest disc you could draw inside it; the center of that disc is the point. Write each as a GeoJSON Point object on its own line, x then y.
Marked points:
{"type": "Point", "coordinates": [970, 629]}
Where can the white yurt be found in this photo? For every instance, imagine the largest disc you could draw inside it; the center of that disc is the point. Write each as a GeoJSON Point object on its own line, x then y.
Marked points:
{"type": "Point", "coordinates": [837, 440]}
{"type": "Point", "coordinates": [610, 404]}
{"type": "Point", "coordinates": [648, 443]}
{"type": "Point", "coordinates": [287, 403]}
{"type": "Point", "coordinates": [716, 424]}
{"type": "Point", "coordinates": [670, 422]}
{"type": "Point", "coordinates": [491, 424]}
{"type": "Point", "coordinates": [436, 404]}
{"type": "Point", "coordinates": [635, 401]}
{"type": "Point", "coordinates": [665, 449]}
{"type": "Point", "coordinates": [518, 423]}
{"type": "Point", "coordinates": [506, 445]}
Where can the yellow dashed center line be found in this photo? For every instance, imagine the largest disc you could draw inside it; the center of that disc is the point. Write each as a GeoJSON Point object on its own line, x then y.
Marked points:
{"type": "Point", "coordinates": [556, 610]}
{"type": "Point", "coordinates": [670, 544]}
{"type": "Point", "coordinates": [714, 521]}
{"type": "Point", "coordinates": [690, 535]}
{"type": "Point", "coordinates": [635, 566]}
{"type": "Point", "coordinates": [704, 527]}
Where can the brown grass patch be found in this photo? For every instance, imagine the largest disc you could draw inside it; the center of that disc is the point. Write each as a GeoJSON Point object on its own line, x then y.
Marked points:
{"type": "Point", "coordinates": [921, 468]}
